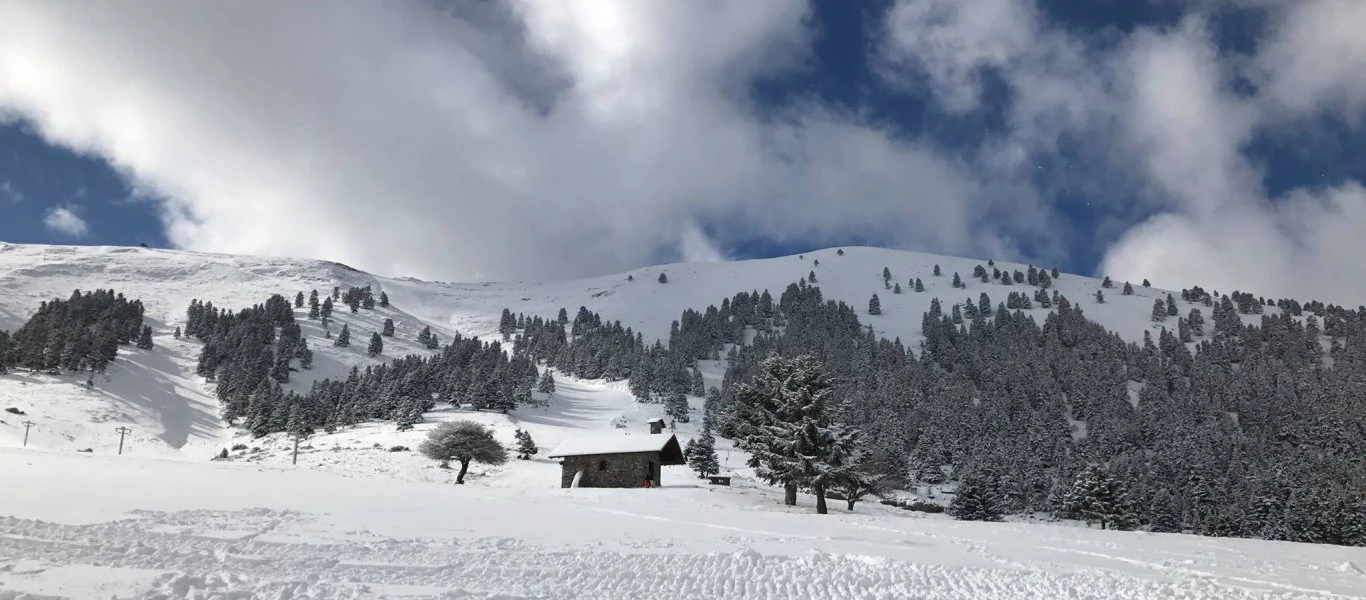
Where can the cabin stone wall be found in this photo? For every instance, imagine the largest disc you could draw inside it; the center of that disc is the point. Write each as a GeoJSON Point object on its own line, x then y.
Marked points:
{"type": "Point", "coordinates": [627, 470]}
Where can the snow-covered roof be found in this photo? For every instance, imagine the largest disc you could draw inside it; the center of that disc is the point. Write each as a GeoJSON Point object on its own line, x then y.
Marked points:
{"type": "Point", "coordinates": [615, 444]}
{"type": "Point", "coordinates": [653, 421]}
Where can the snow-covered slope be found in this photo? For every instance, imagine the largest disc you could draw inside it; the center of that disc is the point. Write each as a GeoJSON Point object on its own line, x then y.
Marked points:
{"type": "Point", "coordinates": [172, 411]}
{"type": "Point", "coordinates": [357, 517]}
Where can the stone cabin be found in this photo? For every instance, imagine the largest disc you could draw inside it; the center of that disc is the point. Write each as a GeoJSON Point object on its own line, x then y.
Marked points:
{"type": "Point", "coordinates": [616, 461]}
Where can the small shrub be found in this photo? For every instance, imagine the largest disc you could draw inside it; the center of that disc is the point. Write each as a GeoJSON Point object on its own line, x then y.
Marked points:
{"type": "Point", "coordinates": [236, 447]}
{"type": "Point", "coordinates": [14, 411]}
{"type": "Point", "coordinates": [915, 505]}
{"type": "Point", "coordinates": [87, 450]}
{"type": "Point", "coordinates": [399, 449]}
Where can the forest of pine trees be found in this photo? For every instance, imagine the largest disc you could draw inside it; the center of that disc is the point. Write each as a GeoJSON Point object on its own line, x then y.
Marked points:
{"type": "Point", "coordinates": [1209, 425]}
{"type": "Point", "coordinates": [78, 334]}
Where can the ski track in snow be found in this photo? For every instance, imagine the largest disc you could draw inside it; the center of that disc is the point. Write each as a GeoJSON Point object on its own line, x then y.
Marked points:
{"type": "Point", "coordinates": [206, 554]}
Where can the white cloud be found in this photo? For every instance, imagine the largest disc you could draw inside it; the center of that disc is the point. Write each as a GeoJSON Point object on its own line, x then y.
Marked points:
{"type": "Point", "coordinates": [64, 220]}
{"type": "Point", "coordinates": [536, 138]}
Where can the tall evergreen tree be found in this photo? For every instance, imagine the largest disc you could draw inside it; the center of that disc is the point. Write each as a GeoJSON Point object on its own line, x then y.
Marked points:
{"type": "Point", "coordinates": [975, 500]}
{"type": "Point", "coordinates": [874, 305]}
{"type": "Point", "coordinates": [388, 330]}
{"type": "Point", "coordinates": [376, 346]}
{"type": "Point", "coordinates": [344, 338]}
{"type": "Point", "coordinates": [145, 340]}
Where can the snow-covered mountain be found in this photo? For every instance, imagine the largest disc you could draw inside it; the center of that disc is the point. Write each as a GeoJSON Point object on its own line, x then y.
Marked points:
{"type": "Point", "coordinates": [360, 515]}
{"type": "Point", "coordinates": [171, 410]}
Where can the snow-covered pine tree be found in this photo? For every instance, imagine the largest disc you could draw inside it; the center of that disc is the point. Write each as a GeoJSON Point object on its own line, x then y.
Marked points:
{"type": "Point", "coordinates": [1106, 283]}
{"type": "Point", "coordinates": [388, 330]}
{"type": "Point", "coordinates": [975, 500]}
{"type": "Point", "coordinates": [344, 338]}
{"type": "Point", "coordinates": [874, 305]}
{"type": "Point", "coordinates": [526, 447]}
{"type": "Point", "coordinates": [177, 332]}
{"type": "Point", "coordinates": [936, 270]}
{"type": "Point", "coordinates": [1171, 306]}
{"type": "Point", "coordinates": [676, 407]}
{"type": "Point", "coordinates": [1159, 311]}
{"type": "Point", "coordinates": [886, 277]}
{"type": "Point", "coordinates": [897, 289]}
{"type": "Point", "coordinates": [701, 454]}
{"type": "Point", "coordinates": [957, 281]}
{"type": "Point", "coordinates": [1100, 297]}
{"type": "Point", "coordinates": [145, 340]}
{"type": "Point", "coordinates": [1146, 284]}
{"type": "Point", "coordinates": [547, 383]}
{"type": "Point", "coordinates": [1128, 289]}
{"type": "Point", "coordinates": [663, 278]}
{"type": "Point", "coordinates": [919, 285]}
{"type": "Point", "coordinates": [1098, 498]}
{"type": "Point", "coordinates": [376, 346]}
{"type": "Point", "coordinates": [383, 299]}
{"type": "Point", "coordinates": [299, 300]}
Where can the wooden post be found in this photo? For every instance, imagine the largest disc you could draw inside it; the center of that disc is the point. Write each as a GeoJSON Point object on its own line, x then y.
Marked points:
{"type": "Point", "coordinates": [295, 459]}
{"type": "Point", "coordinates": [27, 424]}
{"type": "Point", "coordinates": [123, 431]}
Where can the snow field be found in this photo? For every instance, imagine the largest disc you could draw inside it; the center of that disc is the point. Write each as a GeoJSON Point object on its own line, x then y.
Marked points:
{"type": "Point", "coordinates": [98, 525]}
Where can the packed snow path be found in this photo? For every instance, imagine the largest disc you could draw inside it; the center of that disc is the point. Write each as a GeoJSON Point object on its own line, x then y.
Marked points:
{"type": "Point", "coordinates": [93, 526]}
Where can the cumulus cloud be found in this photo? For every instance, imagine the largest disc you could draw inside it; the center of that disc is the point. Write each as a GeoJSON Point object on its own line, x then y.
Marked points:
{"type": "Point", "coordinates": [527, 139]}
{"type": "Point", "coordinates": [1164, 121]}
{"type": "Point", "coordinates": [64, 220]}
{"type": "Point", "coordinates": [1221, 228]}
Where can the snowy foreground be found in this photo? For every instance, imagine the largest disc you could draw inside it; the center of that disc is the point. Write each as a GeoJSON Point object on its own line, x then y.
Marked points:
{"type": "Point", "coordinates": [93, 526]}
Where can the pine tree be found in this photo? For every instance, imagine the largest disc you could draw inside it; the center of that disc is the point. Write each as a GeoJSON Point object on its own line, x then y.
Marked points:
{"type": "Point", "coordinates": [1107, 284]}
{"type": "Point", "coordinates": [676, 407]}
{"type": "Point", "coordinates": [376, 346]}
{"type": "Point", "coordinates": [526, 447]}
{"type": "Point", "coordinates": [840, 252]}
{"type": "Point", "coordinates": [1197, 322]}
{"type": "Point", "coordinates": [388, 328]}
{"type": "Point", "coordinates": [1097, 498]}
{"type": "Point", "coordinates": [547, 384]}
{"type": "Point", "coordinates": [177, 332]}
{"type": "Point", "coordinates": [811, 277]}
{"type": "Point", "coordinates": [145, 340]}
{"type": "Point", "coordinates": [1171, 306]}
{"type": "Point", "coordinates": [663, 278]}
{"type": "Point", "coordinates": [1100, 297]}
{"type": "Point", "coordinates": [957, 282]}
{"type": "Point", "coordinates": [344, 338]}
{"type": "Point", "coordinates": [701, 454]}
{"type": "Point", "coordinates": [1146, 284]}
{"type": "Point", "coordinates": [975, 500]}
{"type": "Point", "coordinates": [1055, 273]}
{"type": "Point", "coordinates": [936, 270]}
{"type": "Point", "coordinates": [919, 285]}
{"type": "Point", "coordinates": [1128, 289]}
{"type": "Point", "coordinates": [1159, 311]}
{"type": "Point", "coordinates": [299, 300]}
{"type": "Point", "coordinates": [897, 289]}
{"type": "Point", "coordinates": [874, 305]}
{"type": "Point", "coordinates": [326, 311]}
{"type": "Point", "coordinates": [383, 299]}
{"type": "Point", "coordinates": [1163, 514]}
{"type": "Point", "coordinates": [886, 277]}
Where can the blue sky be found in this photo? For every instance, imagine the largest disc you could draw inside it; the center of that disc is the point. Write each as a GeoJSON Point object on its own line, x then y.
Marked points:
{"type": "Point", "coordinates": [1104, 136]}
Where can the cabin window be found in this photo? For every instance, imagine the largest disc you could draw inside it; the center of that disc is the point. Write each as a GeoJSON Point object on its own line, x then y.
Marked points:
{"type": "Point", "coordinates": [602, 465]}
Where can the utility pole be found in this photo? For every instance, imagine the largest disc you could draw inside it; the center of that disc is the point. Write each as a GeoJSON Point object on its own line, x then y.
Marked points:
{"type": "Point", "coordinates": [27, 424]}
{"type": "Point", "coordinates": [297, 437]}
{"type": "Point", "coordinates": [123, 431]}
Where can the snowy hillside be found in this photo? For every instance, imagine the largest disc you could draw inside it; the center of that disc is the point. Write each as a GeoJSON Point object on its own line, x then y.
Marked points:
{"type": "Point", "coordinates": [172, 411]}
{"type": "Point", "coordinates": [362, 515]}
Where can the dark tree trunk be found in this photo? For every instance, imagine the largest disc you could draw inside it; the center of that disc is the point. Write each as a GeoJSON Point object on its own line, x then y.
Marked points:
{"type": "Point", "coordinates": [819, 490]}
{"type": "Point", "coordinates": [790, 493]}
{"type": "Point", "coordinates": [851, 503]}
{"type": "Point", "coordinates": [464, 466]}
